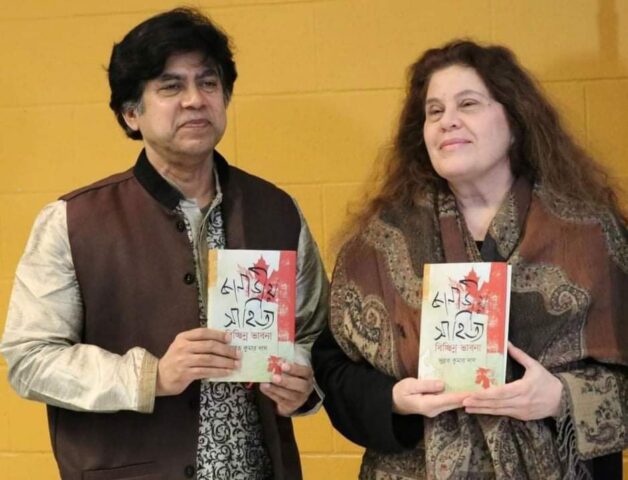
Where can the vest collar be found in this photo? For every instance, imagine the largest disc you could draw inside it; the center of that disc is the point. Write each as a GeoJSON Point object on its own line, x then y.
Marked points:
{"type": "Point", "coordinates": [159, 188]}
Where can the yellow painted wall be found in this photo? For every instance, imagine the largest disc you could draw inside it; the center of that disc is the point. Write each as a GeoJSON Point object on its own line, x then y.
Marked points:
{"type": "Point", "coordinates": [319, 91]}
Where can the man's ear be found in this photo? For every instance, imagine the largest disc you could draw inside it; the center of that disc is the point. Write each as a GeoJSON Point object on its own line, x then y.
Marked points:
{"type": "Point", "coordinates": [130, 117]}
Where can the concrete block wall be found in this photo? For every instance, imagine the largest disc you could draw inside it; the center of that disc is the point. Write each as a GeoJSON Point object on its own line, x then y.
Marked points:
{"type": "Point", "coordinates": [320, 87]}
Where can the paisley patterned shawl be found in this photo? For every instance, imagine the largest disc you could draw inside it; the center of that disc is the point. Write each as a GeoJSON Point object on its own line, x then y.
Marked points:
{"type": "Point", "coordinates": [570, 271]}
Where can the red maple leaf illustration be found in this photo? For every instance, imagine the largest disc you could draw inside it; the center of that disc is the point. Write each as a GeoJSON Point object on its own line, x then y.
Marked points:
{"type": "Point", "coordinates": [471, 281]}
{"type": "Point", "coordinates": [274, 364]}
{"type": "Point", "coordinates": [265, 283]}
{"type": "Point", "coordinates": [472, 297]}
{"type": "Point", "coordinates": [482, 377]}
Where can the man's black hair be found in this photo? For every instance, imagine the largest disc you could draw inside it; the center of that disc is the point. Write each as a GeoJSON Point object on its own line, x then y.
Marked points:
{"type": "Point", "coordinates": [143, 52]}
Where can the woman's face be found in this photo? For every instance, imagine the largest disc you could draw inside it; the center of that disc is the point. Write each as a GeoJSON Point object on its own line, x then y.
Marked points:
{"type": "Point", "coordinates": [466, 131]}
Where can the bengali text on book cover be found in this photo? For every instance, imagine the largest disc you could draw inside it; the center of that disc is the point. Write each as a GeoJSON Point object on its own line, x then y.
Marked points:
{"type": "Point", "coordinates": [252, 294]}
{"type": "Point", "coordinates": [464, 324]}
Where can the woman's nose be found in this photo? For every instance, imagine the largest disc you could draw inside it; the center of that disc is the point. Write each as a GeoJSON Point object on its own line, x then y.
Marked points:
{"type": "Point", "coordinates": [450, 119]}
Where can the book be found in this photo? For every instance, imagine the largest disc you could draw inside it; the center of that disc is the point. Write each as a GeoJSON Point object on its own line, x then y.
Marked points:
{"type": "Point", "coordinates": [252, 294]}
{"type": "Point", "coordinates": [464, 324]}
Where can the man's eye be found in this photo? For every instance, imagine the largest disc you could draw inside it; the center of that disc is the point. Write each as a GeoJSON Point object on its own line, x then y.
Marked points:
{"type": "Point", "coordinates": [210, 84]}
{"type": "Point", "coordinates": [170, 88]}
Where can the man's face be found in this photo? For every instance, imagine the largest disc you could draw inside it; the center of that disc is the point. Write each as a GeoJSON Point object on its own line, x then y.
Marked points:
{"type": "Point", "coordinates": [182, 114]}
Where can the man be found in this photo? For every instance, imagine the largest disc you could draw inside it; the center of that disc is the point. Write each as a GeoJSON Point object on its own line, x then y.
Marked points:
{"type": "Point", "coordinates": [107, 317]}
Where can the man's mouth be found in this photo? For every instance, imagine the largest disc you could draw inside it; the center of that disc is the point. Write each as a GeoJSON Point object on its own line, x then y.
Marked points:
{"type": "Point", "coordinates": [195, 123]}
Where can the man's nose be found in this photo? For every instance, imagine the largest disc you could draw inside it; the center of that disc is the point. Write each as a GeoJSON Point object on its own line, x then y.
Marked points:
{"type": "Point", "coordinates": [192, 97]}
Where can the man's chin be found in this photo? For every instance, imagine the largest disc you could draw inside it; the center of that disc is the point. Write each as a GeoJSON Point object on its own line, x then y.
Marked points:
{"type": "Point", "coordinates": [197, 149]}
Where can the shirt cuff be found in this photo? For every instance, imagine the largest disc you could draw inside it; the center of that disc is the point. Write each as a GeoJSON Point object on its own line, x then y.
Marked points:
{"type": "Point", "coordinates": [147, 383]}
{"type": "Point", "coordinates": [303, 356]}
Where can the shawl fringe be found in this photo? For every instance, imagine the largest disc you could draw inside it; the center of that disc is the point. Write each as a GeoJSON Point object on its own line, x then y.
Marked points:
{"type": "Point", "coordinates": [567, 442]}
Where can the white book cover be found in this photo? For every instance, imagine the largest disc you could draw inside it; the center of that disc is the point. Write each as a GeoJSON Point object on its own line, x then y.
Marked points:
{"type": "Point", "coordinates": [464, 324]}
{"type": "Point", "coordinates": [252, 294]}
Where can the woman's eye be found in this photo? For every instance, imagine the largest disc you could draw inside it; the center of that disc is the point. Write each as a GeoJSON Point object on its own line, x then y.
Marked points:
{"type": "Point", "coordinates": [434, 112]}
{"type": "Point", "coordinates": [468, 103]}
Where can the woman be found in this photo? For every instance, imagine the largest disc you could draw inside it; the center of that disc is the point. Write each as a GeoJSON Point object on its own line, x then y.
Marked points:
{"type": "Point", "coordinates": [482, 170]}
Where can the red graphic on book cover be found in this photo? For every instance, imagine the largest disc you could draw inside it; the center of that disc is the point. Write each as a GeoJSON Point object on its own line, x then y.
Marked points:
{"type": "Point", "coordinates": [286, 288]}
{"type": "Point", "coordinates": [488, 299]}
{"type": "Point", "coordinates": [276, 286]}
{"type": "Point", "coordinates": [483, 377]}
{"type": "Point", "coordinates": [265, 284]}
{"type": "Point", "coordinates": [274, 364]}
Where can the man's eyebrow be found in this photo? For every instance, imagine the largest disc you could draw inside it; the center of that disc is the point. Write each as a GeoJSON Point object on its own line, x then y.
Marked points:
{"type": "Point", "coordinates": [167, 76]}
{"type": "Point", "coordinates": [210, 71]}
